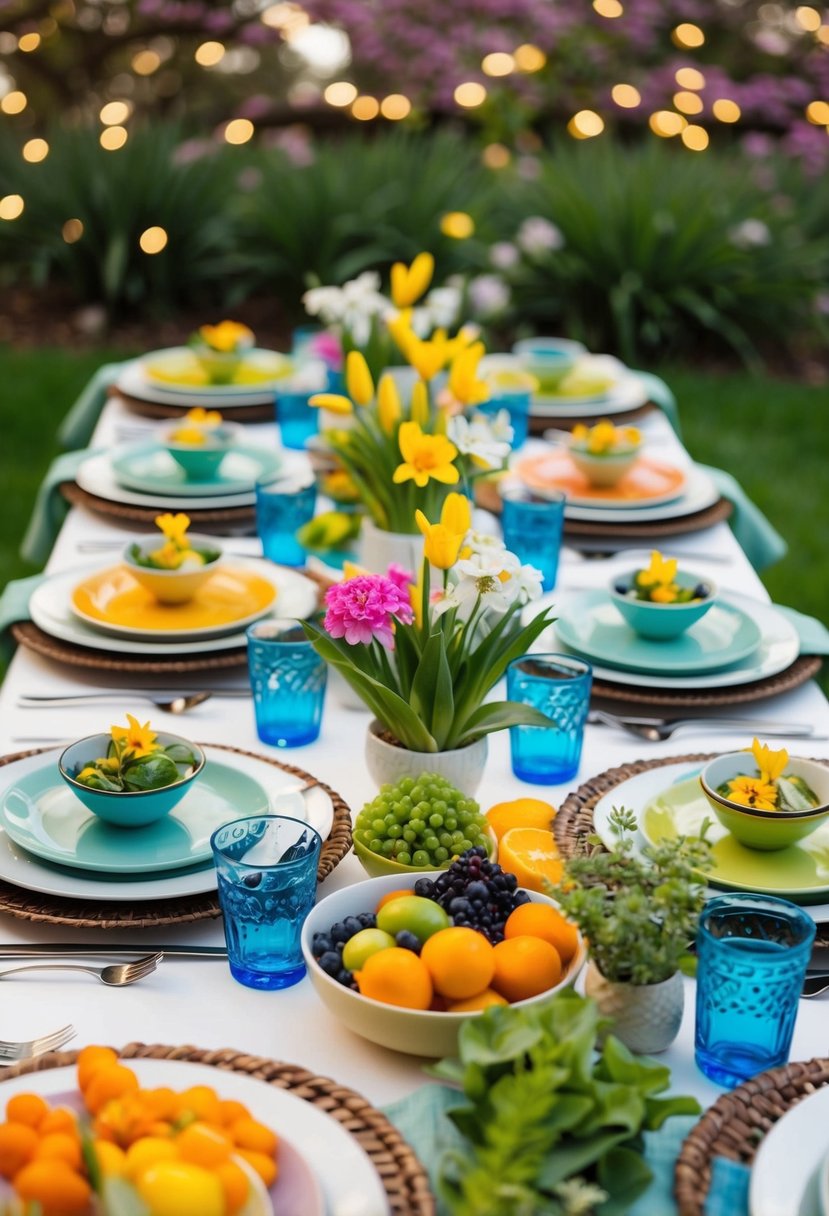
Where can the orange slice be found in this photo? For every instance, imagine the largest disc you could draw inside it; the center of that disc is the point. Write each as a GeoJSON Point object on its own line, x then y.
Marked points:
{"type": "Point", "coordinates": [531, 855]}
{"type": "Point", "coordinates": [520, 813]}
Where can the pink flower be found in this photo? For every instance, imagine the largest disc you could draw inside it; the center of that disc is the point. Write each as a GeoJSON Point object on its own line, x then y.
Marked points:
{"type": "Point", "coordinates": [401, 578]}
{"type": "Point", "coordinates": [364, 608]}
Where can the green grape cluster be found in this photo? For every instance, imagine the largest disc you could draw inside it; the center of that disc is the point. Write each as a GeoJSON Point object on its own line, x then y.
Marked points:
{"type": "Point", "coordinates": [421, 822]}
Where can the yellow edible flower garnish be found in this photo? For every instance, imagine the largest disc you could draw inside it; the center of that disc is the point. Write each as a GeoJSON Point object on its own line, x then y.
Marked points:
{"type": "Point", "coordinates": [358, 378]}
{"type": "Point", "coordinates": [226, 337]}
{"type": "Point", "coordinates": [408, 283]}
{"type": "Point", "coordinates": [425, 457]}
{"type": "Point", "coordinates": [660, 573]}
{"type": "Point", "coordinates": [442, 541]}
{"type": "Point", "coordinates": [137, 739]}
{"type": "Point", "coordinates": [771, 764]}
{"type": "Point", "coordinates": [194, 424]}
{"type": "Point", "coordinates": [602, 438]}
{"type": "Point", "coordinates": [174, 527]}
{"type": "Point", "coordinates": [754, 792]}
{"type": "Point", "coordinates": [335, 403]}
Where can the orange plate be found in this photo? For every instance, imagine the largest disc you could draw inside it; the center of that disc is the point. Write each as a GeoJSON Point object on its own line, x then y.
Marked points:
{"type": "Point", "coordinates": [648, 483]}
{"type": "Point", "coordinates": [115, 601]}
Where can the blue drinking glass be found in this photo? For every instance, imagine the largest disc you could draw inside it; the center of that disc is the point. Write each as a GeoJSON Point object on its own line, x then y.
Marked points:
{"type": "Point", "coordinates": [533, 529]}
{"type": "Point", "coordinates": [283, 505]}
{"type": "Point", "coordinates": [558, 685]}
{"type": "Point", "coordinates": [267, 876]}
{"type": "Point", "coordinates": [287, 678]}
{"type": "Point", "coordinates": [752, 954]}
{"type": "Point", "coordinates": [302, 343]}
{"type": "Point", "coordinates": [298, 421]}
{"type": "Point", "coordinates": [517, 405]}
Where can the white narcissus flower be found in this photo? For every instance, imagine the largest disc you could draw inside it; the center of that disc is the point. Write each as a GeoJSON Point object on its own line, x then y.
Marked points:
{"type": "Point", "coordinates": [484, 439]}
{"type": "Point", "coordinates": [483, 542]}
{"type": "Point", "coordinates": [485, 576]}
{"type": "Point", "coordinates": [537, 235]}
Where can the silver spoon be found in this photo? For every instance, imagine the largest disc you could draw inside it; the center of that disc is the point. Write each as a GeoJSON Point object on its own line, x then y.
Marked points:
{"type": "Point", "coordinates": [117, 975]}
{"type": "Point", "coordinates": [169, 705]}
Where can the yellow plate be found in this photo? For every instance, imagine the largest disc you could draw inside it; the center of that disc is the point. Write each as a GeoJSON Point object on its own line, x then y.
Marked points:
{"type": "Point", "coordinates": [230, 599]}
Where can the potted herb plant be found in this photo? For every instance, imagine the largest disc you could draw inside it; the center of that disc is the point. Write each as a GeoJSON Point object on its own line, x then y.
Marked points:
{"type": "Point", "coordinates": [639, 914]}
{"type": "Point", "coordinates": [425, 663]}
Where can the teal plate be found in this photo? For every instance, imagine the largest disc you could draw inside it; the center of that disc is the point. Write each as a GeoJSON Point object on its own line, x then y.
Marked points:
{"type": "Point", "coordinates": [593, 627]}
{"type": "Point", "coordinates": [150, 469]}
{"type": "Point", "coordinates": [800, 872]}
{"type": "Point", "coordinates": [43, 816]}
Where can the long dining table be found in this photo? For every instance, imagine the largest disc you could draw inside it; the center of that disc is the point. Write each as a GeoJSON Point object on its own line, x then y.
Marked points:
{"type": "Point", "coordinates": [195, 1000]}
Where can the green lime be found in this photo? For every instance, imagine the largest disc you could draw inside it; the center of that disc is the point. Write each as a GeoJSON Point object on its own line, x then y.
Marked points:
{"type": "Point", "coordinates": [420, 916]}
{"type": "Point", "coordinates": [362, 945]}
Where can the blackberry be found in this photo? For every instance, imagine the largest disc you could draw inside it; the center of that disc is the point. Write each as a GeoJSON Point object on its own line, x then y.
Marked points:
{"type": "Point", "coordinates": [477, 893]}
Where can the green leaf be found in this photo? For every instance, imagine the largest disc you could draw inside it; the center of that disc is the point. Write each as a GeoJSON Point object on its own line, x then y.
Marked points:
{"type": "Point", "coordinates": [100, 781]}
{"type": "Point", "coordinates": [497, 716]}
{"type": "Point", "coordinates": [180, 753]}
{"type": "Point", "coordinates": [575, 1155]}
{"type": "Point", "coordinates": [623, 1173]}
{"type": "Point", "coordinates": [151, 773]}
{"type": "Point", "coordinates": [431, 694]}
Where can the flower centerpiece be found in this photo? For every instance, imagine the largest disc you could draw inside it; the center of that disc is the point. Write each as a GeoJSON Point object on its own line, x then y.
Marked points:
{"type": "Point", "coordinates": [220, 349]}
{"type": "Point", "coordinates": [639, 915]}
{"type": "Point", "coordinates": [425, 662]}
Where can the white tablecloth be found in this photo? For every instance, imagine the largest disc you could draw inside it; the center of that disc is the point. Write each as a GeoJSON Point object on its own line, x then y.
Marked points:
{"type": "Point", "coordinates": [191, 1001]}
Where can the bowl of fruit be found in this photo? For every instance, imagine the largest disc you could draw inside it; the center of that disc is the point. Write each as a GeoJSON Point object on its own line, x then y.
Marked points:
{"type": "Point", "coordinates": [661, 602]}
{"type": "Point", "coordinates": [404, 961]}
{"type": "Point", "coordinates": [419, 824]}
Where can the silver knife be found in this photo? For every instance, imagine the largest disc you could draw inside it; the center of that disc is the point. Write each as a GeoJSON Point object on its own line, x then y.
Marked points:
{"type": "Point", "coordinates": [69, 950]}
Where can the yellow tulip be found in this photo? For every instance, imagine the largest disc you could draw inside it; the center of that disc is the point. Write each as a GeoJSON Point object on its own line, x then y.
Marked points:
{"type": "Point", "coordinates": [335, 403]}
{"type": "Point", "coordinates": [419, 411]}
{"type": "Point", "coordinates": [408, 283]}
{"type": "Point", "coordinates": [358, 378]}
{"type": "Point", "coordinates": [389, 410]}
{"type": "Point", "coordinates": [456, 513]}
{"type": "Point", "coordinates": [440, 546]}
{"type": "Point", "coordinates": [425, 457]}
{"type": "Point", "coordinates": [427, 358]}
{"type": "Point", "coordinates": [464, 385]}
{"type": "Point", "coordinates": [399, 326]}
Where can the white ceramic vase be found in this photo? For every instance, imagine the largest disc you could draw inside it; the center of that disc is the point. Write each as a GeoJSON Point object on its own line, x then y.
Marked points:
{"type": "Point", "coordinates": [387, 764]}
{"type": "Point", "coordinates": [377, 550]}
{"type": "Point", "coordinates": [646, 1017]}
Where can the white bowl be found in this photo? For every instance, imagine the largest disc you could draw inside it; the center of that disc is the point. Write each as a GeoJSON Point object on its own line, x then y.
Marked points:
{"type": "Point", "coordinates": [413, 1031]}
{"type": "Point", "coordinates": [172, 586]}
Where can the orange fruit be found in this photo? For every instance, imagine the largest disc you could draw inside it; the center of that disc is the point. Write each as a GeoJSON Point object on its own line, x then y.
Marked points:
{"type": "Point", "coordinates": [264, 1166]}
{"type": "Point", "coordinates": [18, 1144]}
{"type": "Point", "coordinates": [460, 962]}
{"type": "Point", "coordinates": [540, 920]}
{"type": "Point", "coordinates": [147, 1152]}
{"type": "Point", "coordinates": [520, 813]}
{"type": "Point", "coordinates": [59, 1146]}
{"type": "Point", "coordinates": [524, 967]}
{"type": "Point", "coordinates": [55, 1187]}
{"type": "Point", "coordinates": [111, 1081]}
{"type": "Point", "coordinates": [162, 1103]}
{"type": "Point", "coordinates": [90, 1059]}
{"type": "Point", "coordinates": [235, 1185]}
{"type": "Point", "coordinates": [255, 1137]}
{"type": "Point", "coordinates": [386, 899]}
{"type": "Point", "coordinates": [396, 977]}
{"type": "Point", "coordinates": [482, 1000]}
{"type": "Point", "coordinates": [176, 1188]}
{"type": "Point", "coordinates": [201, 1101]}
{"type": "Point", "coordinates": [230, 1111]}
{"type": "Point", "coordinates": [201, 1144]}
{"type": "Point", "coordinates": [112, 1160]}
{"type": "Point", "coordinates": [60, 1119]}
{"type": "Point", "coordinates": [531, 855]}
{"type": "Point", "coordinates": [30, 1109]}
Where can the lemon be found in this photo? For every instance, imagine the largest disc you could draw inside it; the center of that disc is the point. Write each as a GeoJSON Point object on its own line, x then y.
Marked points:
{"type": "Point", "coordinates": [175, 1188]}
{"type": "Point", "coordinates": [147, 1152]}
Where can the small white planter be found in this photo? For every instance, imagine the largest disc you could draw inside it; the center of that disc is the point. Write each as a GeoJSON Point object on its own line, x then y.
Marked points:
{"type": "Point", "coordinates": [646, 1017]}
{"type": "Point", "coordinates": [377, 550]}
{"type": "Point", "coordinates": [386, 764]}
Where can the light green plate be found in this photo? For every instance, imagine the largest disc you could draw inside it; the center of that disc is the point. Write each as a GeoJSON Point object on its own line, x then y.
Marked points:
{"type": "Point", "coordinates": [800, 872]}
{"type": "Point", "coordinates": [150, 469]}
{"type": "Point", "coordinates": [593, 626]}
{"type": "Point", "coordinates": [43, 816]}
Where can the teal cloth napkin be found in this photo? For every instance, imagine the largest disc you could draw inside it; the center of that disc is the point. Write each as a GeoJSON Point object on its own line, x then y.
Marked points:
{"type": "Point", "coordinates": [760, 541]}
{"type": "Point", "coordinates": [50, 508]}
{"type": "Point", "coordinates": [661, 395]}
{"type": "Point", "coordinates": [813, 634]}
{"type": "Point", "coordinates": [76, 429]}
{"type": "Point", "coordinates": [14, 606]}
{"type": "Point", "coordinates": [422, 1121]}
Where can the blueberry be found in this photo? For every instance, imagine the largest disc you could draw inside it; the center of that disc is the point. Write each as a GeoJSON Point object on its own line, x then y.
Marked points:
{"type": "Point", "coordinates": [368, 920]}
{"type": "Point", "coordinates": [339, 933]}
{"type": "Point", "coordinates": [407, 941]}
{"type": "Point", "coordinates": [424, 887]}
{"type": "Point", "coordinates": [331, 963]}
{"type": "Point", "coordinates": [702, 591]}
{"type": "Point", "coordinates": [321, 944]}
{"type": "Point", "coordinates": [477, 890]}
{"type": "Point", "coordinates": [460, 906]}
{"type": "Point", "coordinates": [252, 880]}
{"type": "Point", "coordinates": [520, 897]}
{"type": "Point", "coordinates": [621, 588]}
{"type": "Point", "coordinates": [344, 976]}
{"type": "Point", "coordinates": [351, 925]}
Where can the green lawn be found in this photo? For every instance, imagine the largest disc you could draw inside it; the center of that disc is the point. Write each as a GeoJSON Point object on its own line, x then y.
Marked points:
{"type": "Point", "coordinates": [769, 433]}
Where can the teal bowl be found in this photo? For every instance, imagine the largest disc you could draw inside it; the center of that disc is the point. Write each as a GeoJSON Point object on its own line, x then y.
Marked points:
{"type": "Point", "coordinates": [201, 461]}
{"type": "Point", "coordinates": [548, 359]}
{"type": "Point", "coordinates": [661, 622]}
{"type": "Point", "coordinates": [767, 831]}
{"type": "Point", "coordinates": [130, 808]}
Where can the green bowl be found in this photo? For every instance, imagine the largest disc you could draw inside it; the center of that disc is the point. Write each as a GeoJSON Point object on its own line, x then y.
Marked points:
{"type": "Point", "coordinates": [377, 866]}
{"type": "Point", "coordinates": [767, 831]}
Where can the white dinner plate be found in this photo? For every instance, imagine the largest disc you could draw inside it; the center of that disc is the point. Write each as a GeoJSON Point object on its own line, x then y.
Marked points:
{"type": "Point", "coordinates": [699, 494]}
{"type": "Point", "coordinates": [97, 476]}
{"type": "Point", "coordinates": [24, 870]}
{"type": "Point", "coordinates": [635, 793]}
{"type": "Point", "coordinates": [784, 1178]}
{"type": "Point", "coordinates": [350, 1184]}
{"type": "Point", "coordinates": [628, 393]}
{"type": "Point", "coordinates": [779, 648]}
{"type": "Point", "coordinates": [50, 607]}
{"type": "Point", "coordinates": [134, 382]}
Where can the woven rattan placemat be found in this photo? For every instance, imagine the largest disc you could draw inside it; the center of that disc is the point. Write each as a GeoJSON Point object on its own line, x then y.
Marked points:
{"type": "Point", "coordinates": [539, 423]}
{"type": "Point", "coordinates": [402, 1175]}
{"type": "Point", "coordinates": [27, 634]}
{"type": "Point", "coordinates": [95, 914]}
{"type": "Point", "coordinates": [233, 413]}
{"type": "Point", "coordinates": [798, 673]}
{"type": "Point", "coordinates": [573, 824]}
{"type": "Point", "coordinates": [226, 521]}
{"type": "Point", "coordinates": [736, 1124]}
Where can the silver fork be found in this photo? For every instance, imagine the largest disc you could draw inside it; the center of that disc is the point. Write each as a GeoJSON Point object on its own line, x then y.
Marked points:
{"type": "Point", "coordinates": [116, 975]}
{"type": "Point", "coordinates": [656, 730]}
{"type": "Point", "coordinates": [11, 1051]}
{"type": "Point", "coordinates": [171, 703]}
